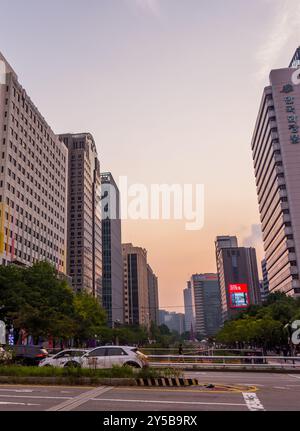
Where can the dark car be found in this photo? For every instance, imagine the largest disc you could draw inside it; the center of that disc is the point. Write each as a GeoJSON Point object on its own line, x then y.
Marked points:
{"type": "Point", "coordinates": [29, 355]}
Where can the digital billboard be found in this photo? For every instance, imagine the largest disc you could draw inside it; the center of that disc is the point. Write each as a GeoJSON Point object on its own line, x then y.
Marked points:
{"type": "Point", "coordinates": [239, 296]}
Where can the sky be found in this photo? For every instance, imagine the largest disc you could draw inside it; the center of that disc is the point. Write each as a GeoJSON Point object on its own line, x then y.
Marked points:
{"type": "Point", "coordinates": [170, 90]}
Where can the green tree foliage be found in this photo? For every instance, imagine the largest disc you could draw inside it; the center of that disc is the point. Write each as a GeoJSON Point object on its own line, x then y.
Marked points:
{"type": "Point", "coordinates": [90, 317]}
{"type": "Point", "coordinates": [262, 326]}
{"type": "Point", "coordinates": [37, 300]}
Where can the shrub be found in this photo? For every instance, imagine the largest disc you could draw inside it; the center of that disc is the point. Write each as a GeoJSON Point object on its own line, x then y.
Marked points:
{"type": "Point", "coordinates": [6, 357]}
{"type": "Point", "coordinates": [76, 373]}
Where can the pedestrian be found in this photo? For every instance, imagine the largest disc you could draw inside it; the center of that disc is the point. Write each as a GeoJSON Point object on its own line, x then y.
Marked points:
{"type": "Point", "coordinates": [285, 352]}
{"type": "Point", "coordinates": [180, 350]}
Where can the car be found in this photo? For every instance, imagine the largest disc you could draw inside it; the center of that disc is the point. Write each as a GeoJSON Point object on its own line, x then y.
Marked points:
{"type": "Point", "coordinates": [65, 358]}
{"type": "Point", "coordinates": [29, 355]}
{"type": "Point", "coordinates": [108, 356]}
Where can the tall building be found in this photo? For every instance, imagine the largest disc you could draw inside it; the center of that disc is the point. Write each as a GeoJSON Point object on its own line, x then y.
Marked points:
{"type": "Point", "coordinates": [226, 242]}
{"type": "Point", "coordinates": [33, 185]}
{"type": "Point", "coordinates": [264, 290]}
{"type": "Point", "coordinates": [113, 287]}
{"type": "Point", "coordinates": [206, 297]}
{"type": "Point", "coordinates": [238, 276]}
{"type": "Point", "coordinates": [153, 295]}
{"type": "Point", "coordinates": [174, 321]}
{"type": "Point", "coordinates": [189, 308]}
{"type": "Point", "coordinates": [84, 257]}
{"type": "Point", "coordinates": [276, 155]}
{"type": "Point", "coordinates": [136, 295]}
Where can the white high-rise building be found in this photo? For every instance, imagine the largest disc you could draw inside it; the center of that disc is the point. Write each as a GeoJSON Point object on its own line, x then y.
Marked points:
{"type": "Point", "coordinates": [33, 186]}
{"type": "Point", "coordinates": [276, 155]}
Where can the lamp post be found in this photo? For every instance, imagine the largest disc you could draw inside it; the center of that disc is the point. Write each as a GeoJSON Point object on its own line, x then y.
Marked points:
{"type": "Point", "coordinates": [116, 324]}
{"type": "Point", "coordinates": [2, 333]}
{"type": "Point", "coordinates": [2, 329]}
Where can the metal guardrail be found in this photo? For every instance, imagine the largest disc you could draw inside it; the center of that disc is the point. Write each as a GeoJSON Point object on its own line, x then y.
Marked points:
{"type": "Point", "coordinates": [187, 361]}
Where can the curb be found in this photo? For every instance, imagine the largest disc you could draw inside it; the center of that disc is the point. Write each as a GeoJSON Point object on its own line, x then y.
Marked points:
{"type": "Point", "coordinates": [87, 381]}
{"type": "Point", "coordinates": [243, 369]}
{"type": "Point", "coordinates": [167, 382]}
{"type": "Point", "coordinates": [68, 381]}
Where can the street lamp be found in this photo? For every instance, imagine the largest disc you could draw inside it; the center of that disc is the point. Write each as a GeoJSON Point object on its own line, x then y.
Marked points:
{"type": "Point", "coordinates": [116, 324]}
{"type": "Point", "coordinates": [2, 333]}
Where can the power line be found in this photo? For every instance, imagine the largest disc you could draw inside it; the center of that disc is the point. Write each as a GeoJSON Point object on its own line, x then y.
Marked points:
{"type": "Point", "coordinates": [152, 308]}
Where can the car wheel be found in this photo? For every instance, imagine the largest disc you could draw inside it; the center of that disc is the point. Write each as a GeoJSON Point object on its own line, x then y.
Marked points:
{"type": "Point", "coordinates": [132, 365]}
{"type": "Point", "coordinates": [72, 365]}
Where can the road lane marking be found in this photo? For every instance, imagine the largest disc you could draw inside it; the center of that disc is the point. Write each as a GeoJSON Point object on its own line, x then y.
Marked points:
{"type": "Point", "coordinates": [196, 403]}
{"type": "Point", "coordinates": [36, 397]}
{"type": "Point", "coordinates": [17, 390]}
{"type": "Point", "coordinates": [234, 390]}
{"type": "Point", "coordinates": [295, 377]}
{"type": "Point", "coordinates": [253, 403]}
{"type": "Point", "coordinates": [252, 384]}
{"type": "Point", "coordinates": [75, 402]}
{"type": "Point", "coordinates": [50, 387]}
{"type": "Point", "coordinates": [238, 375]}
{"type": "Point", "coordinates": [17, 404]}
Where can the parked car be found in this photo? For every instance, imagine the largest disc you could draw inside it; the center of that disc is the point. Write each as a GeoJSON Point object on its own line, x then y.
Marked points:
{"type": "Point", "coordinates": [29, 355]}
{"type": "Point", "coordinates": [107, 356]}
{"type": "Point", "coordinates": [65, 358]}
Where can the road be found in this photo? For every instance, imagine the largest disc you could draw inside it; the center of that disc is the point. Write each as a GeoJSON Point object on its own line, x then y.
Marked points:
{"type": "Point", "coordinates": [269, 392]}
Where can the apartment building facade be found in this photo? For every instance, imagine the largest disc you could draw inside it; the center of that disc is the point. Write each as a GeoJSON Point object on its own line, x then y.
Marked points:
{"type": "Point", "coordinates": [136, 293]}
{"type": "Point", "coordinates": [238, 276]}
{"type": "Point", "coordinates": [189, 308]}
{"type": "Point", "coordinates": [276, 156]}
{"type": "Point", "coordinates": [84, 239]}
{"type": "Point", "coordinates": [207, 302]}
{"type": "Point", "coordinates": [112, 260]}
{"type": "Point", "coordinates": [153, 296]}
{"type": "Point", "coordinates": [33, 180]}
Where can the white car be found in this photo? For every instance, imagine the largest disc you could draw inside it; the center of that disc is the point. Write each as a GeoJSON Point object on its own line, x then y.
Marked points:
{"type": "Point", "coordinates": [107, 356]}
{"type": "Point", "coordinates": [65, 358]}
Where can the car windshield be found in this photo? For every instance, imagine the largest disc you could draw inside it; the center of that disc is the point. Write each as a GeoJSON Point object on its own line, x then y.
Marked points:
{"type": "Point", "coordinates": [81, 353]}
{"type": "Point", "coordinates": [69, 353]}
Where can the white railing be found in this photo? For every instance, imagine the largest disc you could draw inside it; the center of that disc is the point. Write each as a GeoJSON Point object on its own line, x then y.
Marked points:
{"type": "Point", "coordinates": [186, 361]}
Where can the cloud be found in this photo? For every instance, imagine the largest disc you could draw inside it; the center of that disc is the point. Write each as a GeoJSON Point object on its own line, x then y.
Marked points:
{"type": "Point", "coordinates": [285, 26]}
{"type": "Point", "coordinates": [148, 6]}
{"type": "Point", "coordinates": [255, 237]}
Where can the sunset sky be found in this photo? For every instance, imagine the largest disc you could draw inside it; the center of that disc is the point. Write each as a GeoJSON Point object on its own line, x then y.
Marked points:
{"type": "Point", "coordinates": [170, 90]}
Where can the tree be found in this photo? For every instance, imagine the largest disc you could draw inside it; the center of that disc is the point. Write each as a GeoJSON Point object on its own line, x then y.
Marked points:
{"type": "Point", "coordinates": [262, 326]}
{"type": "Point", "coordinates": [36, 300]}
{"type": "Point", "coordinates": [90, 318]}
{"type": "Point", "coordinates": [265, 333]}
{"type": "Point", "coordinates": [164, 330]}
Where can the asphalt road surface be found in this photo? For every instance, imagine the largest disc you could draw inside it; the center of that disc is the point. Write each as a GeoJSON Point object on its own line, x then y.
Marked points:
{"type": "Point", "coordinates": [247, 391]}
